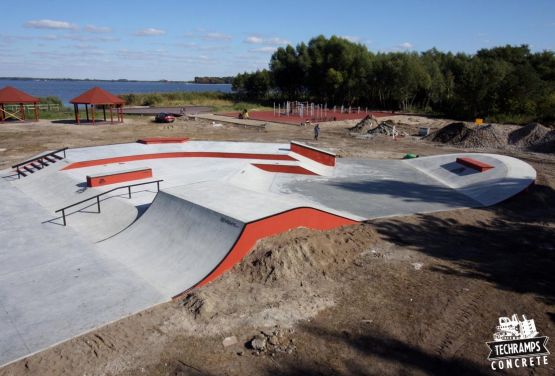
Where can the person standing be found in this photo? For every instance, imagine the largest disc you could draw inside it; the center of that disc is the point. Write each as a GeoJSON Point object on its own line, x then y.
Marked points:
{"type": "Point", "coordinates": [316, 132]}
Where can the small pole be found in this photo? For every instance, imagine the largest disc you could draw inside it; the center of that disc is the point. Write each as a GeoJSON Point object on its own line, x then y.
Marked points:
{"type": "Point", "coordinates": [158, 185]}
{"type": "Point", "coordinates": [64, 216]}
{"type": "Point", "coordinates": [98, 203]}
{"type": "Point", "coordinates": [129, 188]}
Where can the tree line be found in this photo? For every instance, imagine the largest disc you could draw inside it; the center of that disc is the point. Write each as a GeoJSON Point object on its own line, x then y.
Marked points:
{"type": "Point", "coordinates": [508, 83]}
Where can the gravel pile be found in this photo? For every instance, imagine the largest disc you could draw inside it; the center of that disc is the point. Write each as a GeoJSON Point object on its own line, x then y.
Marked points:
{"type": "Point", "coordinates": [535, 137]}
{"type": "Point", "coordinates": [366, 124]}
{"type": "Point", "coordinates": [462, 134]}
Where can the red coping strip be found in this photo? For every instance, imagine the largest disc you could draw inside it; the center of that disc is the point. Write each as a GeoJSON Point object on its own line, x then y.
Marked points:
{"type": "Point", "coordinates": [186, 154]}
{"type": "Point", "coordinates": [473, 163]}
{"type": "Point", "coordinates": [276, 224]}
{"type": "Point", "coordinates": [319, 156]}
{"type": "Point", "coordinates": [166, 140]}
{"type": "Point", "coordinates": [284, 169]}
{"type": "Point", "coordinates": [118, 177]}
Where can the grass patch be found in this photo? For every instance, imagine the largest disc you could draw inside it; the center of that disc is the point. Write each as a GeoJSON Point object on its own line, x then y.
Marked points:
{"type": "Point", "coordinates": [217, 100]}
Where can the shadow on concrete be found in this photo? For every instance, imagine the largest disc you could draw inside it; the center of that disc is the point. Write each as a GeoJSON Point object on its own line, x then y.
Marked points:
{"type": "Point", "coordinates": [405, 191]}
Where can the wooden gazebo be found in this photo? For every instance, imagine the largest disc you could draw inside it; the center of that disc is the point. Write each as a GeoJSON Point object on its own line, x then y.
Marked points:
{"type": "Point", "coordinates": [96, 98]}
{"type": "Point", "coordinates": [14, 97]}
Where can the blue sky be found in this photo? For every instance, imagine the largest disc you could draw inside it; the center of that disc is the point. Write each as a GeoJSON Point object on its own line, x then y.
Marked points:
{"type": "Point", "coordinates": [178, 40]}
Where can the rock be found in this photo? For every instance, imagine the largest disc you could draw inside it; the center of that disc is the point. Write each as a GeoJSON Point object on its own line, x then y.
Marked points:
{"type": "Point", "coordinates": [229, 341]}
{"type": "Point", "coordinates": [240, 353]}
{"type": "Point", "coordinates": [273, 340]}
{"type": "Point", "coordinates": [258, 342]}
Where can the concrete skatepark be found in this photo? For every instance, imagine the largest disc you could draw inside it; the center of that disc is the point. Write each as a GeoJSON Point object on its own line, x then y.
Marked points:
{"type": "Point", "coordinates": [216, 200]}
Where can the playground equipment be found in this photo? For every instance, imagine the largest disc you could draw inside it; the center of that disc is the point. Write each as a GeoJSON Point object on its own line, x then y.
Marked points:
{"type": "Point", "coordinates": [317, 112]}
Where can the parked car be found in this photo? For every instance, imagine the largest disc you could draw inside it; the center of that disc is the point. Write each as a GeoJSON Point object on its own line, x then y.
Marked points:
{"type": "Point", "coordinates": [162, 117]}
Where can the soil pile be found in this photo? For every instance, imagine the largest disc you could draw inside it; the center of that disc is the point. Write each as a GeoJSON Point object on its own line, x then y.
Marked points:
{"type": "Point", "coordinates": [286, 278]}
{"type": "Point", "coordinates": [461, 134]}
{"type": "Point", "coordinates": [363, 126]}
{"type": "Point", "coordinates": [387, 129]}
{"type": "Point", "coordinates": [534, 136]}
{"type": "Point", "coordinates": [307, 256]}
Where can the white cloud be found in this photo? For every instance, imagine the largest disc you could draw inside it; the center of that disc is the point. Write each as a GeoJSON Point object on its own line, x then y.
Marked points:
{"type": "Point", "coordinates": [216, 36]}
{"type": "Point", "coordinates": [98, 29]}
{"type": "Point", "coordinates": [405, 46]}
{"type": "Point", "coordinates": [272, 41]}
{"type": "Point", "coordinates": [263, 49]}
{"type": "Point", "coordinates": [50, 24]}
{"type": "Point", "coordinates": [351, 38]}
{"type": "Point", "coordinates": [150, 31]}
{"type": "Point", "coordinates": [253, 39]}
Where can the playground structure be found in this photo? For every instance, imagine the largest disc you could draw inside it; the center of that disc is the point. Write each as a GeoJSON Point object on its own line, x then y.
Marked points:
{"type": "Point", "coordinates": [303, 113]}
{"type": "Point", "coordinates": [315, 112]}
{"type": "Point", "coordinates": [173, 214]}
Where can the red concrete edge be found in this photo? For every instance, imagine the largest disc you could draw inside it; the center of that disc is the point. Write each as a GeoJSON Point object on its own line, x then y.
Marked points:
{"type": "Point", "coordinates": [186, 154]}
{"type": "Point", "coordinates": [166, 140]}
{"type": "Point", "coordinates": [473, 163]}
{"type": "Point", "coordinates": [317, 155]}
{"type": "Point", "coordinates": [272, 225]}
{"type": "Point", "coordinates": [118, 177]}
{"type": "Point", "coordinates": [286, 169]}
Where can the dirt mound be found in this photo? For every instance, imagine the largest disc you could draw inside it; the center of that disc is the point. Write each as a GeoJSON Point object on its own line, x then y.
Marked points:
{"type": "Point", "coordinates": [461, 134]}
{"type": "Point", "coordinates": [307, 255]}
{"type": "Point", "coordinates": [286, 278]}
{"type": "Point", "coordinates": [364, 125]}
{"type": "Point", "coordinates": [534, 136]}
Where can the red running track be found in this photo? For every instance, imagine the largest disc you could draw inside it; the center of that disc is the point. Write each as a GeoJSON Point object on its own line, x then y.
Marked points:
{"type": "Point", "coordinates": [295, 119]}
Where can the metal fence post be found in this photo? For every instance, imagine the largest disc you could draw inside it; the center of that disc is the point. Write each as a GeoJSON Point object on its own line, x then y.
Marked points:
{"type": "Point", "coordinates": [98, 202]}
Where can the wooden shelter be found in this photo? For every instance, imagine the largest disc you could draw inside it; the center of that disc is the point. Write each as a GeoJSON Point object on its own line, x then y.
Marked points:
{"type": "Point", "coordinates": [96, 98]}
{"type": "Point", "coordinates": [16, 98]}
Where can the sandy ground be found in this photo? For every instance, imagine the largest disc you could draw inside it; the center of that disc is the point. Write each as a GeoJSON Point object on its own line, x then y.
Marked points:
{"type": "Point", "coordinates": [414, 295]}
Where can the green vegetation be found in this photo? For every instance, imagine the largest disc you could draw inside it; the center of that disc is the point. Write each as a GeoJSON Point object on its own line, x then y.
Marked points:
{"type": "Point", "coordinates": [507, 83]}
{"type": "Point", "coordinates": [218, 100]}
{"type": "Point", "coordinates": [213, 80]}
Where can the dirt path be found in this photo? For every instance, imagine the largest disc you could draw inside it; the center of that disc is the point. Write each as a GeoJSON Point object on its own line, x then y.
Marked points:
{"type": "Point", "coordinates": [414, 295]}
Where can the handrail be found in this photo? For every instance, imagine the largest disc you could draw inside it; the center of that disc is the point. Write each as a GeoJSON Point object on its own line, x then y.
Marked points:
{"type": "Point", "coordinates": [38, 158]}
{"type": "Point", "coordinates": [97, 197]}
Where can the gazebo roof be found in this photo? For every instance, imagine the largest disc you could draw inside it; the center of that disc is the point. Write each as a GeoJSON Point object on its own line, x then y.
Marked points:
{"type": "Point", "coordinates": [12, 95]}
{"type": "Point", "coordinates": [97, 95]}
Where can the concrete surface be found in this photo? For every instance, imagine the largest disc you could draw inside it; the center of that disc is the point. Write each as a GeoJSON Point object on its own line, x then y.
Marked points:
{"type": "Point", "coordinates": [58, 282]}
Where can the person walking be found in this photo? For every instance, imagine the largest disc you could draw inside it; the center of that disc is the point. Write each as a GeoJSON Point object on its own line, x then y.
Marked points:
{"type": "Point", "coordinates": [316, 132]}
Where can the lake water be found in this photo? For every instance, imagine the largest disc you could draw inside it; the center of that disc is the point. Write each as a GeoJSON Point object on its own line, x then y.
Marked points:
{"type": "Point", "coordinates": [67, 90]}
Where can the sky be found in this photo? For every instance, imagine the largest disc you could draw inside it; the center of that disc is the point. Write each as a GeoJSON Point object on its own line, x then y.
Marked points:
{"type": "Point", "coordinates": [178, 40]}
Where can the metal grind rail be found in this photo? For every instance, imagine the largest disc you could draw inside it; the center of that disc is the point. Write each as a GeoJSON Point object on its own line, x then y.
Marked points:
{"type": "Point", "coordinates": [97, 197]}
{"type": "Point", "coordinates": [40, 159]}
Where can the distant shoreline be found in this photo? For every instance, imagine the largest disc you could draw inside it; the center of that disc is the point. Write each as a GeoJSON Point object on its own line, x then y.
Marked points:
{"type": "Point", "coordinates": [100, 80]}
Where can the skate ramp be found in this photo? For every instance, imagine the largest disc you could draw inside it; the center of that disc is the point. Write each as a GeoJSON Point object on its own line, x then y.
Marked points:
{"type": "Point", "coordinates": [508, 177]}
{"type": "Point", "coordinates": [194, 232]}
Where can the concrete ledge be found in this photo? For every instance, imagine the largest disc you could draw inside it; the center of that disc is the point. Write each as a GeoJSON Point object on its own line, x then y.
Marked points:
{"type": "Point", "coordinates": [475, 164]}
{"type": "Point", "coordinates": [121, 176]}
{"type": "Point", "coordinates": [321, 156]}
{"type": "Point", "coordinates": [166, 140]}
{"type": "Point", "coordinates": [286, 169]}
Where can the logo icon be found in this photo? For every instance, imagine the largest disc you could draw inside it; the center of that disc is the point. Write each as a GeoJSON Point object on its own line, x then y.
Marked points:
{"type": "Point", "coordinates": [516, 344]}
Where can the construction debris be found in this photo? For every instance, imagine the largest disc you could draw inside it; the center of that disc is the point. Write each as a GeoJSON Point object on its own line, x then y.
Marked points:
{"type": "Point", "coordinates": [363, 126]}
